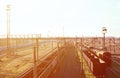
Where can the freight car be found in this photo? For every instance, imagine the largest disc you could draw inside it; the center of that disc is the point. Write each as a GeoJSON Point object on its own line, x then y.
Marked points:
{"type": "Point", "coordinates": [104, 55]}
{"type": "Point", "coordinates": [96, 64]}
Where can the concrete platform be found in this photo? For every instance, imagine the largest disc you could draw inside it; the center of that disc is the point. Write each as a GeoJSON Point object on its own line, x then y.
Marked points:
{"type": "Point", "coordinates": [70, 66]}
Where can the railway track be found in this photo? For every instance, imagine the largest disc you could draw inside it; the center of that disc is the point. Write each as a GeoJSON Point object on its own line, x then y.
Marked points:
{"type": "Point", "coordinates": [114, 70]}
{"type": "Point", "coordinates": [42, 66]}
{"type": "Point", "coordinates": [115, 73]}
{"type": "Point", "coordinates": [23, 60]}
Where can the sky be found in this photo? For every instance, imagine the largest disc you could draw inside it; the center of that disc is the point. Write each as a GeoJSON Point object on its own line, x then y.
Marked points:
{"type": "Point", "coordinates": [61, 17]}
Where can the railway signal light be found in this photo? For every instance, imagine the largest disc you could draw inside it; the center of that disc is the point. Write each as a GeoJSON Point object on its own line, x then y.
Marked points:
{"type": "Point", "coordinates": [104, 31]}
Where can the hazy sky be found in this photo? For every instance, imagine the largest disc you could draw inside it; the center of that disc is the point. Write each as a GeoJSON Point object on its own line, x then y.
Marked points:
{"type": "Point", "coordinates": [51, 17]}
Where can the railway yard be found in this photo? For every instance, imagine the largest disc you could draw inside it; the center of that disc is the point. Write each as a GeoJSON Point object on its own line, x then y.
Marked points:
{"type": "Point", "coordinates": [22, 58]}
{"type": "Point", "coordinates": [56, 57]}
{"type": "Point", "coordinates": [59, 39]}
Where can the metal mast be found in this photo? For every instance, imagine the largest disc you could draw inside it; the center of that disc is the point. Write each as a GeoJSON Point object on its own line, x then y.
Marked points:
{"type": "Point", "coordinates": [8, 29]}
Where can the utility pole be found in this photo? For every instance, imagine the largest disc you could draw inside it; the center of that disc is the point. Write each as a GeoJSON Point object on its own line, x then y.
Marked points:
{"type": "Point", "coordinates": [81, 56]}
{"type": "Point", "coordinates": [37, 45]}
{"type": "Point", "coordinates": [114, 44]}
{"type": "Point", "coordinates": [52, 43]}
{"type": "Point", "coordinates": [63, 31]}
{"type": "Point", "coordinates": [35, 61]}
{"type": "Point", "coordinates": [8, 29]}
{"type": "Point", "coordinates": [110, 44]}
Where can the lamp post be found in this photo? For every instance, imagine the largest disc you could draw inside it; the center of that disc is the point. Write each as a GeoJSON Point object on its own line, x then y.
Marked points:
{"type": "Point", "coordinates": [104, 31]}
{"type": "Point", "coordinates": [8, 28]}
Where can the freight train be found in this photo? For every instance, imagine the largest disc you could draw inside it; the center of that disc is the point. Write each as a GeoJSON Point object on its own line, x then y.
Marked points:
{"type": "Point", "coordinates": [97, 60]}
{"type": "Point", "coordinates": [102, 54]}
